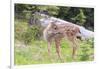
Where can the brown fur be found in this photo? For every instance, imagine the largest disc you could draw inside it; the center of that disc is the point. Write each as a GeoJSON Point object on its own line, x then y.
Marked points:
{"type": "Point", "coordinates": [55, 32]}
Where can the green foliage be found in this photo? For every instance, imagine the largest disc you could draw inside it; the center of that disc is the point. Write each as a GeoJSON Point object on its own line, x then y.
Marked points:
{"type": "Point", "coordinates": [25, 33]}
{"type": "Point", "coordinates": [52, 10]}
{"type": "Point", "coordinates": [86, 50]}
{"type": "Point", "coordinates": [77, 15]}
{"type": "Point", "coordinates": [80, 18]}
{"type": "Point", "coordinates": [19, 28]}
{"type": "Point", "coordinates": [63, 12]}
{"type": "Point", "coordinates": [31, 34]}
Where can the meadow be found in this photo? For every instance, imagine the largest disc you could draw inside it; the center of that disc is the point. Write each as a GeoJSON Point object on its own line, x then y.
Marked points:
{"type": "Point", "coordinates": [28, 50]}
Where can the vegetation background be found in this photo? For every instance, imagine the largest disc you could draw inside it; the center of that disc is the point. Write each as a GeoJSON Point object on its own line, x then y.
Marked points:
{"type": "Point", "coordinates": [29, 46]}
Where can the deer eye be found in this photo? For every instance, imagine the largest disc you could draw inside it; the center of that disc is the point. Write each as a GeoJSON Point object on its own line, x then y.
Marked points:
{"type": "Point", "coordinates": [55, 28]}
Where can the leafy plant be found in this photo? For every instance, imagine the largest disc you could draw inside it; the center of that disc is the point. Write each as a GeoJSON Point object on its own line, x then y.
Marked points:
{"type": "Point", "coordinates": [80, 18]}
{"type": "Point", "coordinates": [31, 34]}
{"type": "Point", "coordinates": [86, 48]}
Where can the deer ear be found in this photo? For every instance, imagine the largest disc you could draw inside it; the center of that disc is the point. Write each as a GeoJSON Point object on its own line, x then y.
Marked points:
{"type": "Point", "coordinates": [54, 26]}
{"type": "Point", "coordinates": [52, 23]}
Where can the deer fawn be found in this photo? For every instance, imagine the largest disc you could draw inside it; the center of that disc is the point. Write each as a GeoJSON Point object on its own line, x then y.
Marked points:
{"type": "Point", "coordinates": [55, 32]}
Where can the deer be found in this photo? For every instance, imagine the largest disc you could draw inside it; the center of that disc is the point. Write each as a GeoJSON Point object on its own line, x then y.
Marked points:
{"type": "Point", "coordinates": [55, 29]}
{"type": "Point", "coordinates": [56, 32]}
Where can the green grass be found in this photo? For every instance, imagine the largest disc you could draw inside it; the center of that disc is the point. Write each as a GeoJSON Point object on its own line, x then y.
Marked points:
{"type": "Point", "coordinates": [36, 52]}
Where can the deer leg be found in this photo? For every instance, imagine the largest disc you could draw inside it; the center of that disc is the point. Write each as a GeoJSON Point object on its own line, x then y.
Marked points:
{"type": "Point", "coordinates": [75, 48]}
{"type": "Point", "coordinates": [73, 45]}
{"type": "Point", "coordinates": [49, 46]}
{"type": "Point", "coordinates": [58, 49]}
{"type": "Point", "coordinates": [74, 52]}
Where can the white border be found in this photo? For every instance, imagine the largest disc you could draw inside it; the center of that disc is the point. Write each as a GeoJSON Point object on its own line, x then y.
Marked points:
{"type": "Point", "coordinates": [4, 34]}
{"type": "Point", "coordinates": [12, 36]}
{"type": "Point", "coordinates": [75, 3]}
{"type": "Point", "coordinates": [73, 65]}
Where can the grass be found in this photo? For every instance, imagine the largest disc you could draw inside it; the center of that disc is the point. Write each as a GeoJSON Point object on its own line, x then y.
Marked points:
{"type": "Point", "coordinates": [37, 53]}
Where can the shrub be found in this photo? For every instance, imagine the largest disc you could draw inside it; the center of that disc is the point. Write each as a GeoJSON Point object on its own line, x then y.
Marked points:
{"type": "Point", "coordinates": [87, 50]}
{"type": "Point", "coordinates": [20, 27]}
{"type": "Point", "coordinates": [33, 33]}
